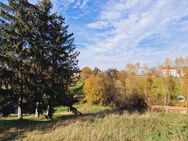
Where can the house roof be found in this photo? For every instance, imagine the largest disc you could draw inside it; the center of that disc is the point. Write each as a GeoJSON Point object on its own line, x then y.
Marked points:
{"type": "Point", "coordinates": [167, 68]}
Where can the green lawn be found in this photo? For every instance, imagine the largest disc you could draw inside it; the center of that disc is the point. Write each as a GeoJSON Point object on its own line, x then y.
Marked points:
{"type": "Point", "coordinates": [97, 127]}
{"type": "Point", "coordinates": [84, 108]}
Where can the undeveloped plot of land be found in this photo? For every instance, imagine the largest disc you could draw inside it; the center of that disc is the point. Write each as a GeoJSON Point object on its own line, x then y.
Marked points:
{"type": "Point", "coordinates": [133, 127]}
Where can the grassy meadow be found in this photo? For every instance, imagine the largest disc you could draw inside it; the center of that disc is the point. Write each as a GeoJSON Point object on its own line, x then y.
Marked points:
{"type": "Point", "coordinates": [96, 125]}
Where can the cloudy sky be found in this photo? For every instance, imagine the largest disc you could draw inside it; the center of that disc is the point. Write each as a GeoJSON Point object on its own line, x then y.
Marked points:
{"type": "Point", "coordinates": [111, 33]}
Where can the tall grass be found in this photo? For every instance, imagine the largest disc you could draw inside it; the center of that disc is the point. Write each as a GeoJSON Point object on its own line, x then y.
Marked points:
{"type": "Point", "coordinates": [96, 127]}
{"type": "Point", "coordinates": [148, 127]}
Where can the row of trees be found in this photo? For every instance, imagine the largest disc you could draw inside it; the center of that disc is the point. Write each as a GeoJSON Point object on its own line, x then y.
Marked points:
{"type": "Point", "coordinates": [118, 89]}
{"type": "Point", "coordinates": [178, 63]}
{"type": "Point", "coordinates": [37, 58]}
{"type": "Point", "coordinates": [126, 87]}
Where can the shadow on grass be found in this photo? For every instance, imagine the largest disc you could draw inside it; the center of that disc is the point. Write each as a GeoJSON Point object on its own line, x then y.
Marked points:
{"type": "Point", "coordinates": [10, 129]}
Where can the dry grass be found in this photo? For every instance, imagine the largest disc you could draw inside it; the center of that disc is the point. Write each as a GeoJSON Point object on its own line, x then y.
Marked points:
{"type": "Point", "coordinates": [106, 126]}
{"type": "Point", "coordinates": [151, 126]}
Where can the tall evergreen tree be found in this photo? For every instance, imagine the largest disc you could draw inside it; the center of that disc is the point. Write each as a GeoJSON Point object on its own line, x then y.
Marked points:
{"type": "Point", "coordinates": [59, 55]}
{"type": "Point", "coordinates": [37, 48]}
{"type": "Point", "coordinates": [14, 19]}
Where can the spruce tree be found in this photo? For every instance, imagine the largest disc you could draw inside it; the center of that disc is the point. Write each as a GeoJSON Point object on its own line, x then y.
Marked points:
{"type": "Point", "coordinates": [14, 22]}
{"type": "Point", "coordinates": [37, 49]}
{"type": "Point", "coordinates": [59, 58]}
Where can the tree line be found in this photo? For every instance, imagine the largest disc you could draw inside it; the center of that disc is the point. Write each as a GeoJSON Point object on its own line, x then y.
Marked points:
{"type": "Point", "coordinates": [37, 58]}
{"type": "Point", "coordinates": [137, 87]}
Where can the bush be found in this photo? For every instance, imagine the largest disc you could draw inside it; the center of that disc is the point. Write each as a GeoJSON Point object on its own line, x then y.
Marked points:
{"type": "Point", "coordinates": [132, 103]}
{"type": "Point", "coordinates": [99, 89]}
{"type": "Point", "coordinates": [137, 103]}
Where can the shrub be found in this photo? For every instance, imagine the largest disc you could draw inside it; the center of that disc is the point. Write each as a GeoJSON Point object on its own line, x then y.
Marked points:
{"type": "Point", "coordinates": [132, 103]}
{"type": "Point", "coordinates": [99, 89]}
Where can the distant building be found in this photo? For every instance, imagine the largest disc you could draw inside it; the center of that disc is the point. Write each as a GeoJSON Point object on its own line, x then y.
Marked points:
{"type": "Point", "coordinates": [171, 71]}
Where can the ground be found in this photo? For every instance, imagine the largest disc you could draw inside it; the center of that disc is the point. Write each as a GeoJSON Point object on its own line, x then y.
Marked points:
{"type": "Point", "coordinates": [97, 125]}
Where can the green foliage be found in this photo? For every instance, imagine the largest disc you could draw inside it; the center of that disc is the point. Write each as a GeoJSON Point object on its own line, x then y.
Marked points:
{"type": "Point", "coordinates": [77, 87]}
{"type": "Point", "coordinates": [39, 52]}
{"type": "Point", "coordinates": [83, 108]}
{"type": "Point", "coordinates": [91, 109]}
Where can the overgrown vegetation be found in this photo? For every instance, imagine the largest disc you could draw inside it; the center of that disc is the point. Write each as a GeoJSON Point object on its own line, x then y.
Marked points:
{"type": "Point", "coordinates": [99, 127]}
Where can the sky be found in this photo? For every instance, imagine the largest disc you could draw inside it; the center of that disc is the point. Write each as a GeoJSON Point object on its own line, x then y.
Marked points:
{"type": "Point", "coordinates": [112, 33]}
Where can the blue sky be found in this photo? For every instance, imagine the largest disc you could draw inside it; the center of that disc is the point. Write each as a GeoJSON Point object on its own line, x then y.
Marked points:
{"type": "Point", "coordinates": [112, 33]}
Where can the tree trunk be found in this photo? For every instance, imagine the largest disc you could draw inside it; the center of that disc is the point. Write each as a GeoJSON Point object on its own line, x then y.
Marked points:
{"type": "Point", "coordinates": [49, 112]}
{"type": "Point", "coordinates": [20, 115]}
{"type": "Point", "coordinates": [37, 110]}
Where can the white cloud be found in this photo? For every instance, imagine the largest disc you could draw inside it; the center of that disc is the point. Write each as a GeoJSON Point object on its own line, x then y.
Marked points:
{"type": "Point", "coordinates": [98, 25]}
{"type": "Point", "coordinates": [81, 4]}
{"type": "Point", "coordinates": [128, 23]}
{"type": "Point", "coordinates": [84, 3]}
{"type": "Point", "coordinates": [115, 37]}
